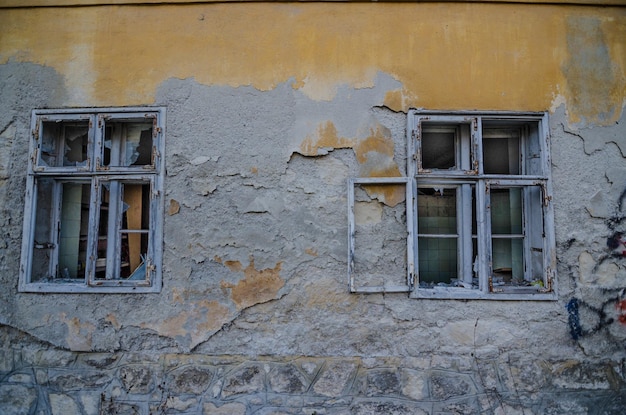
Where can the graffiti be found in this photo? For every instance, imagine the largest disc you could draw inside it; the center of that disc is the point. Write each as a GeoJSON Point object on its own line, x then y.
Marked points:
{"type": "Point", "coordinates": [576, 329]}
{"type": "Point", "coordinates": [617, 244]}
{"type": "Point", "coordinates": [599, 317]}
{"type": "Point", "coordinates": [621, 311]}
{"type": "Point", "coordinates": [573, 319]}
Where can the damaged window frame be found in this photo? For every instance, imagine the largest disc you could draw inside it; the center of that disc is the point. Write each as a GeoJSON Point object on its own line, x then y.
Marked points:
{"type": "Point", "coordinates": [473, 189]}
{"type": "Point", "coordinates": [62, 188]}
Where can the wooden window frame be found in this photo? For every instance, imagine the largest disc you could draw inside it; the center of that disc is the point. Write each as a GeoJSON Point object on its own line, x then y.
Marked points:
{"type": "Point", "coordinates": [468, 174]}
{"type": "Point", "coordinates": [91, 172]}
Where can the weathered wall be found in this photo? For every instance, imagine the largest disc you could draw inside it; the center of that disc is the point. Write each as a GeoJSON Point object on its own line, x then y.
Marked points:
{"type": "Point", "coordinates": [270, 108]}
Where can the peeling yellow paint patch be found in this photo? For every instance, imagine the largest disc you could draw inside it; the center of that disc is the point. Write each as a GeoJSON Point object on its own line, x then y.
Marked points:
{"type": "Point", "coordinates": [233, 265]}
{"type": "Point", "coordinates": [400, 99]}
{"type": "Point", "coordinates": [177, 296]}
{"type": "Point", "coordinates": [375, 153]}
{"type": "Point", "coordinates": [79, 334]}
{"type": "Point", "coordinates": [326, 139]}
{"type": "Point", "coordinates": [257, 286]}
{"type": "Point", "coordinates": [444, 54]}
{"type": "Point", "coordinates": [389, 194]}
{"type": "Point", "coordinates": [174, 207]}
{"type": "Point", "coordinates": [197, 321]}
{"type": "Point", "coordinates": [379, 141]}
{"type": "Point", "coordinates": [113, 320]}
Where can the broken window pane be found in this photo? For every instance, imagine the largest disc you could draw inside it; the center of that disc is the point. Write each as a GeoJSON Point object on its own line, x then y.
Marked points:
{"type": "Point", "coordinates": [127, 143]}
{"type": "Point", "coordinates": [123, 231]}
{"type": "Point", "coordinates": [44, 245]}
{"type": "Point", "coordinates": [59, 254]}
{"type": "Point", "coordinates": [134, 232]}
{"type": "Point", "coordinates": [74, 227]}
{"type": "Point", "coordinates": [64, 143]}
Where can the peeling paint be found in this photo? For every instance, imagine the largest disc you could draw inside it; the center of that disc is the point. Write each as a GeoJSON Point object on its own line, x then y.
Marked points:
{"type": "Point", "coordinates": [174, 207]}
{"type": "Point", "coordinates": [195, 323]}
{"type": "Point", "coordinates": [325, 141]}
{"type": "Point", "coordinates": [79, 336]}
{"type": "Point", "coordinates": [433, 50]}
{"type": "Point", "coordinates": [596, 88]}
{"type": "Point", "coordinates": [375, 154]}
{"type": "Point", "coordinates": [257, 286]}
{"type": "Point", "coordinates": [113, 320]}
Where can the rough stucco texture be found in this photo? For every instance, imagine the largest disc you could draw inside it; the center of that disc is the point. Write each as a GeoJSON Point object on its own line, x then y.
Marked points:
{"type": "Point", "coordinates": [270, 108]}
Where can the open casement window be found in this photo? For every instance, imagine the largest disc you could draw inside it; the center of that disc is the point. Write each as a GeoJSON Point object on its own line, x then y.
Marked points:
{"type": "Point", "coordinates": [92, 220]}
{"type": "Point", "coordinates": [479, 216]}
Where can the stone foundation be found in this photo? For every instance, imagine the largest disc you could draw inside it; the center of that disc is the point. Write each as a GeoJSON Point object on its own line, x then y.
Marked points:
{"type": "Point", "coordinates": [37, 379]}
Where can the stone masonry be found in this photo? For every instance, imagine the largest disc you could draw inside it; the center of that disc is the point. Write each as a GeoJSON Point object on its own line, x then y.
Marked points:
{"type": "Point", "coordinates": [46, 380]}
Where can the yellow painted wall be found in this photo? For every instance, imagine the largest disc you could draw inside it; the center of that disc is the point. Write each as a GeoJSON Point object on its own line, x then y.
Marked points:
{"type": "Point", "coordinates": [446, 55]}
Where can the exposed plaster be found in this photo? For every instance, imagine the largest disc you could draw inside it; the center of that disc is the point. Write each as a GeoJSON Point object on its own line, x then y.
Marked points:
{"type": "Point", "coordinates": [193, 324]}
{"type": "Point", "coordinates": [257, 286]}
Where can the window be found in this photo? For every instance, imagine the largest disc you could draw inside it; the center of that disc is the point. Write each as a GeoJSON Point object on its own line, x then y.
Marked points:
{"type": "Point", "coordinates": [478, 210]}
{"type": "Point", "coordinates": [92, 219]}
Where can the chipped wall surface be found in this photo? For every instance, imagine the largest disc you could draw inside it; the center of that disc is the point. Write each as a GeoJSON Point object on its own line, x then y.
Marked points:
{"type": "Point", "coordinates": [271, 107]}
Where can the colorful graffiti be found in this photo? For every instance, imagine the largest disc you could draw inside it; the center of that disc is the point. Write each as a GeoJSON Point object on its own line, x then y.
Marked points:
{"type": "Point", "coordinates": [621, 308]}
{"type": "Point", "coordinates": [585, 318]}
{"type": "Point", "coordinates": [610, 311]}
{"type": "Point", "coordinates": [617, 244]}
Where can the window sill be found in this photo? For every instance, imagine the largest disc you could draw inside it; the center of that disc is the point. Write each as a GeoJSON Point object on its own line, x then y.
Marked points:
{"type": "Point", "coordinates": [447, 293]}
{"type": "Point", "coordinates": [82, 288]}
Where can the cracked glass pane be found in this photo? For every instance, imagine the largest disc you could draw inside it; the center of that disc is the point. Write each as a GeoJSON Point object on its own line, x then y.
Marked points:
{"type": "Point", "coordinates": [59, 254]}
{"type": "Point", "coordinates": [128, 143]}
{"type": "Point", "coordinates": [73, 232]}
{"type": "Point", "coordinates": [44, 244]}
{"type": "Point", "coordinates": [123, 231]}
{"type": "Point", "coordinates": [64, 143]}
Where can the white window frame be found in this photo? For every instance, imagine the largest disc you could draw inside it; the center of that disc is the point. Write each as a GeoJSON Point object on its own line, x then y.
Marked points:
{"type": "Point", "coordinates": [468, 173]}
{"type": "Point", "coordinates": [91, 172]}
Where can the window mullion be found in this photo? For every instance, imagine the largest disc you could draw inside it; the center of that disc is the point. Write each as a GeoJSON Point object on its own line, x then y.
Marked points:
{"type": "Point", "coordinates": [483, 226]}
{"type": "Point", "coordinates": [527, 233]}
{"type": "Point", "coordinates": [464, 224]}
{"type": "Point", "coordinates": [98, 147]}
{"type": "Point", "coordinates": [411, 224]}
{"type": "Point", "coordinates": [113, 230]}
{"type": "Point", "coordinates": [57, 196]}
{"type": "Point", "coordinates": [95, 201]}
{"type": "Point", "coordinates": [477, 145]}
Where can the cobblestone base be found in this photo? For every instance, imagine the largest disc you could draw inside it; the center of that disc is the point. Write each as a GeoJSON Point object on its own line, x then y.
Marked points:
{"type": "Point", "coordinates": [37, 379]}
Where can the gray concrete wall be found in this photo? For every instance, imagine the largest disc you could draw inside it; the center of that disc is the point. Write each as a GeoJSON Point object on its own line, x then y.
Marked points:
{"type": "Point", "coordinates": [255, 315]}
